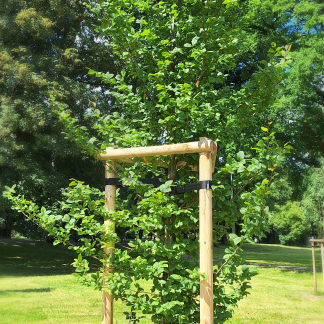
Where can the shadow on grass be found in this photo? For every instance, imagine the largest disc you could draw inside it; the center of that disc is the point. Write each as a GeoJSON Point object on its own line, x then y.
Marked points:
{"type": "Point", "coordinates": [40, 290]}
{"type": "Point", "coordinates": [276, 255]}
{"type": "Point", "coordinates": [20, 257]}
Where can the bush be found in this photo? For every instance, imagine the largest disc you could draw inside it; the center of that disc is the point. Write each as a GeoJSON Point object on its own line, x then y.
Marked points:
{"type": "Point", "coordinates": [291, 223]}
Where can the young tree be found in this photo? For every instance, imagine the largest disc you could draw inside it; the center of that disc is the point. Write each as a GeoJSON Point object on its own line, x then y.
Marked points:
{"type": "Point", "coordinates": [177, 61]}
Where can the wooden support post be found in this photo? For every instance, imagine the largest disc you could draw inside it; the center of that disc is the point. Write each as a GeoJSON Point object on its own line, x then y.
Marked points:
{"type": "Point", "coordinates": [203, 145]}
{"type": "Point", "coordinates": [110, 198]}
{"type": "Point", "coordinates": [322, 254]}
{"type": "Point", "coordinates": [314, 267]}
{"type": "Point", "coordinates": [206, 239]}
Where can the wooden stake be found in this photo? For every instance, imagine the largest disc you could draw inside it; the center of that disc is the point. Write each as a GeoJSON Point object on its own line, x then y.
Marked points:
{"type": "Point", "coordinates": [191, 147]}
{"type": "Point", "coordinates": [314, 267]}
{"type": "Point", "coordinates": [110, 199]}
{"type": "Point", "coordinates": [322, 254]}
{"type": "Point", "coordinates": [206, 239]}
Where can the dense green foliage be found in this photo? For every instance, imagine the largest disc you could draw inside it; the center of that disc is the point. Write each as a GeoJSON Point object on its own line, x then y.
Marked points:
{"type": "Point", "coordinates": [312, 202]}
{"type": "Point", "coordinates": [294, 221]}
{"type": "Point", "coordinates": [291, 223]}
{"type": "Point", "coordinates": [174, 85]}
{"type": "Point", "coordinates": [297, 114]}
{"type": "Point", "coordinates": [45, 49]}
{"type": "Point", "coordinates": [184, 70]}
{"type": "Point", "coordinates": [47, 46]}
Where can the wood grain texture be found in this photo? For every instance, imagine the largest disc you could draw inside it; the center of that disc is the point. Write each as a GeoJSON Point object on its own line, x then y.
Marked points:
{"type": "Point", "coordinates": [206, 166]}
{"type": "Point", "coordinates": [191, 147]}
{"type": "Point", "coordinates": [110, 201]}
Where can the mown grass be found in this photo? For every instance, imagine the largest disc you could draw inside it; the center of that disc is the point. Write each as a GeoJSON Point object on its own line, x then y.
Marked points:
{"type": "Point", "coordinates": [276, 255]}
{"type": "Point", "coordinates": [281, 296]}
{"type": "Point", "coordinates": [37, 286]}
{"type": "Point", "coordinates": [283, 290]}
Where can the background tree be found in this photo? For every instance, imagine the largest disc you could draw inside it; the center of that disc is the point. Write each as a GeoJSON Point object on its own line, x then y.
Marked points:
{"type": "Point", "coordinates": [312, 202]}
{"type": "Point", "coordinates": [291, 223]}
{"type": "Point", "coordinates": [46, 48]}
{"type": "Point", "coordinates": [298, 112]}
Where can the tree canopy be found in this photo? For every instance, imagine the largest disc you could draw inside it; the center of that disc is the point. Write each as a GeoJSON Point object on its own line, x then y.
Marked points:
{"type": "Point", "coordinates": [45, 50]}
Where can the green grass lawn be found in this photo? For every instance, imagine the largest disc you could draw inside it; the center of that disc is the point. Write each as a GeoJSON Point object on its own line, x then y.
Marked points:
{"type": "Point", "coordinates": [36, 286]}
{"type": "Point", "coordinates": [281, 296]}
{"type": "Point", "coordinates": [276, 255]}
{"type": "Point", "coordinates": [282, 292]}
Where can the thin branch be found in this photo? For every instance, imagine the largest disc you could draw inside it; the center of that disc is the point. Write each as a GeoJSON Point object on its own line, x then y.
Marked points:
{"type": "Point", "coordinates": [230, 258]}
{"type": "Point", "coordinates": [46, 230]}
{"type": "Point", "coordinates": [249, 181]}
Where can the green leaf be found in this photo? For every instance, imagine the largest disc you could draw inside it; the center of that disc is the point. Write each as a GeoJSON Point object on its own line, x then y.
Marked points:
{"type": "Point", "coordinates": [194, 40]}
{"type": "Point", "coordinates": [240, 156]}
{"type": "Point", "coordinates": [66, 218]}
{"type": "Point", "coordinates": [175, 276]}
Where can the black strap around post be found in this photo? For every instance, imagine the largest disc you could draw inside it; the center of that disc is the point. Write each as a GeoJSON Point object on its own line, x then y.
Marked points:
{"type": "Point", "coordinates": [117, 182]}
{"type": "Point", "coordinates": [206, 184]}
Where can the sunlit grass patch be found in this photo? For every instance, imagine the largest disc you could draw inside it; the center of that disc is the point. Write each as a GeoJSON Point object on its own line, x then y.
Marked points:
{"type": "Point", "coordinates": [281, 296]}
{"type": "Point", "coordinates": [275, 254]}
{"type": "Point", "coordinates": [37, 286]}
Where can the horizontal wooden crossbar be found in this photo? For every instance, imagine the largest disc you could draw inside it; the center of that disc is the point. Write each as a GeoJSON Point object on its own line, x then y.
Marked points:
{"type": "Point", "coordinates": [173, 149]}
{"type": "Point", "coordinates": [316, 240]}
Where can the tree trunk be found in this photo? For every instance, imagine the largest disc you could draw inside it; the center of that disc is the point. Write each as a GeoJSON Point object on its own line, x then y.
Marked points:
{"type": "Point", "coordinates": [6, 231]}
{"type": "Point", "coordinates": [168, 237]}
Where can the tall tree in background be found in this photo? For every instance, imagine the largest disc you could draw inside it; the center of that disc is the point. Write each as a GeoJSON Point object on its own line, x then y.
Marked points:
{"type": "Point", "coordinates": [313, 200]}
{"type": "Point", "coordinates": [298, 112]}
{"type": "Point", "coordinates": [45, 50]}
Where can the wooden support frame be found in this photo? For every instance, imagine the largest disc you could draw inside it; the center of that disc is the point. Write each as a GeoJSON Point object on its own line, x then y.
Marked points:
{"type": "Point", "coordinates": [321, 242]}
{"type": "Point", "coordinates": [207, 156]}
{"type": "Point", "coordinates": [204, 145]}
